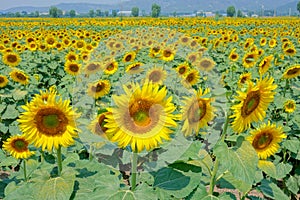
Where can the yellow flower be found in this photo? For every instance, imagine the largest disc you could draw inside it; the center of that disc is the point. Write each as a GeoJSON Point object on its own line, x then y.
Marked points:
{"type": "Point", "coordinates": [289, 106]}
{"type": "Point", "coordinates": [134, 68]}
{"type": "Point", "coordinates": [92, 67]}
{"type": "Point", "coordinates": [168, 54]}
{"type": "Point", "coordinates": [49, 123]}
{"type": "Point", "coordinates": [11, 59]}
{"type": "Point", "coordinates": [244, 78]}
{"type": "Point", "coordinates": [196, 112]}
{"type": "Point", "coordinates": [191, 78]}
{"type": "Point", "coordinates": [97, 125]}
{"type": "Point", "coordinates": [265, 140]}
{"type": "Point", "coordinates": [249, 59]}
{"type": "Point", "coordinates": [253, 104]}
{"type": "Point", "coordinates": [111, 67]}
{"type": "Point", "coordinates": [292, 72]}
{"type": "Point", "coordinates": [233, 56]}
{"type": "Point", "coordinates": [129, 57]}
{"type": "Point", "coordinates": [3, 81]}
{"type": "Point", "coordinates": [265, 64]}
{"type": "Point", "coordinates": [183, 68]}
{"type": "Point", "coordinates": [156, 75]}
{"type": "Point", "coordinates": [142, 117]}
{"type": "Point", "coordinates": [72, 68]}
{"type": "Point", "coordinates": [19, 77]}
{"type": "Point", "coordinates": [99, 89]}
{"type": "Point", "coordinates": [206, 64]}
{"type": "Point", "coordinates": [17, 146]}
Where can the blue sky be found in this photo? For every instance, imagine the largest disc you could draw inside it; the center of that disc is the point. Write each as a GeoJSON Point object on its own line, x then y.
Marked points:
{"type": "Point", "coordinates": [5, 4]}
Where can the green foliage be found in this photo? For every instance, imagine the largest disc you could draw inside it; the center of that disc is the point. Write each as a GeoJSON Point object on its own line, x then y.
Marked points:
{"type": "Point", "coordinates": [135, 11]}
{"type": "Point", "coordinates": [230, 11]}
{"type": "Point", "coordinates": [72, 13]}
{"type": "Point", "coordinates": [155, 10]}
{"type": "Point", "coordinates": [298, 6]}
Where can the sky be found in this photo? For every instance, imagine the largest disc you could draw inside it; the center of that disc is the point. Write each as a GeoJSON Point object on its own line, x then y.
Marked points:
{"type": "Point", "coordinates": [5, 4]}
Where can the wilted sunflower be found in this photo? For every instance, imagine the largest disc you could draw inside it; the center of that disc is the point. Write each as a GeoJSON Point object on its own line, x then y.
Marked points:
{"type": "Point", "coordinates": [292, 72]}
{"type": "Point", "coordinates": [253, 104]}
{"type": "Point", "coordinates": [196, 112]}
{"type": "Point", "coordinates": [265, 64]}
{"type": "Point", "coordinates": [129, 57]}
{"type": "Point", "coordinates": [111, 67]}
{"type": "Point", "coordinates": [289, 106]}
{"type": "Point", "coordinates": [19, 76]}
{"type": "Point", "coordinates": [11, 59]}
{"type": "Point", "coordinates": [265, 140]}
{"type": "Point", "coordinates": [206, 64]}
{"type": "Point", "coordinates": [17, 146]}
{"type": "Point", "coordinates": [49, 123]}
{"type": "Point", "coordinates": [233, 56]}
{"type": "Point", "coordinates": [156, 75]}
{"type": "Point", "coordinates": [92, 68]}
{"type": "Point", "coordinates": [244, 78]}
{"type": "Point", "coordinates": [72, 68]}
{"type": "Point", "coordinates": [99, 89]}
{"type": "Point", "coordinates": [3, 81]}
{"type": "Point", "coordinates": [183, 68]}
{"type": "Point", "coordinates": [167, 54]}
{"type": "Point", "coordinates": [191, 78]}
{"type": "Point", "coordinates": [142, 117]}
{"type": "Point", "coordinates": [249, 59]}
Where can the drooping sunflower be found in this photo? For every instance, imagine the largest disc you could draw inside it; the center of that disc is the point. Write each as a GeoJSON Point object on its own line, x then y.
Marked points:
{"type": "Point", "coordinates": [156, 75]}
{"type": "Point", "coordinates": [49, 123]}
{"type": "Point", "coordinates": [11, 59]}
{"type": "Point", "coordinates": [92, 68]}
{"type": "Point", "coordinates": [143, 117]}
{"type": "Point", "coordinates": [265, 64]}
{"type": "Point", "coordinates": [206, 64]}
{"type": "Point", "coordinates": [292, 72]}
{"type": "Point", "coordinates": [134, 68]}
{"type": "Point", "coordinates": [129, 57]}
{"type": "Point", "coordinates": [243, 79]}
{"type": "Point", "coordinates": [196, 112]}
{"type": "Point", "coordinates": [72, 68]}
{"type": "Point", "coordinates": [265, 139]}
{"type": "Point", "coordinates": [99, 89]}
{"type": "Point", "coordinates": [111, 67]}
{"type": "Point", "coordinates": [183, 68]}
{"type": "Point", "coordinates": [17, 146]}
{"type": "Point", "coordinates": [191, 78]}
{"type": "Point", "coordinates": [253, 104]}
{"type": "Point", "coordinates": [168, 54]}
{"type": "Point", "coordinates": [249, 59]}
{"type": "Point", "coordinates": [3, 81]}
{"type": "Point", "coordinates": [289, 106]}
{"type": "Point", "coordinates": [233, 56]}
{"type": "Point", "coordinates": [19, 76]}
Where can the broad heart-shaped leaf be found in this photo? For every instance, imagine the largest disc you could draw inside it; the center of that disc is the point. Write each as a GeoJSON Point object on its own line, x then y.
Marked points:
{"type": "Point", "coordinates": [282, 169]}
{"type": "Point", "coordinates": [272, 191]}
{"type": "Point", "coordinates": [292, 184]}
{"type": "Point", "coordinates": [19, 94]}
{"type": "Point", "coordinates": [145, 192]}
{"type": "Point", "coordinates": [229, 180]}
{"type": "Point", "coordinates": [22, 191]}
{"type": "Point", "coordinates": [240, 162]}
{"type": "Point", "coordinates": [199, 193]}
{"type": "Point", "coordinates": [10, 113]}
{"type": "Point", "coordinates": [292, 145]}
{"type": "Point", "coordinates": [268, 167]}
{"type": "Point", "coordinates": [124, 195]}
{"type": "Point", "coordinates": [55, 188]}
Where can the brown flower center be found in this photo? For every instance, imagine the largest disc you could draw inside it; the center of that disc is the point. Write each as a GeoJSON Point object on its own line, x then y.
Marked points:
{"type": "Point", "coordinates": [155, 76]}
{"type": "Point", "coordinates": [74, 67]}
{"type": "Point", "coordinates": [20, 145]}
{"type": "Point", "coordinates": [51, 121]}
{"type": "Point", "coordinates": [12, 58]}
{"type": "Point", "coordinates": [205, 63]}
{"type": "Point", "coordinates": [196, 111]}
{"type": "Point", "coordinates": [21, 76]}
{"type": "Point", "coordinates": [293, 71]}
{"type": "Point", "coordinates": [128, 58]}
{"type": "Point", "coordinates": [167, 53]}
{"type": "Point", "coordinates": [262, 140]}
{"type": "Point", "coordinates": [99, 87]}
{"type": "Point", "coordinates": [100, 129]}
{"type": "Point", "coordinates": [2, 80]}
{"type": "Point", "coordinates": [251, 103]}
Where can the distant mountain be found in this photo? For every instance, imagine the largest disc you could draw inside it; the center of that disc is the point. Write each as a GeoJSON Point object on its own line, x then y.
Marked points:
{"type": "Point", "coordinates": [168, 6]}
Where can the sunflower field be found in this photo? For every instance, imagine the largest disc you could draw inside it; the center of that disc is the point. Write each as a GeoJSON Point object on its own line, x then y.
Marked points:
{"type": "Point", "coordinates": [150, 108]}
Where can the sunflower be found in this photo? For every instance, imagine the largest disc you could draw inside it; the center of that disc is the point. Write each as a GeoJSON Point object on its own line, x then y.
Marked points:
{"type": "Point", "coordinates": [19, 76]}
{"type": "Point", "coordinates": [196, 112]}
{"type": "Point", "coordinates": [3, 81]}
{"type": "Point", "coordinates": [168, 54]}
{"type": "Point", "coordinates": [129, 57]}
{"type": "Point", "coordinates": [289, 106]}
{"type": "Point", "coordinates": [155, 51]}
{"type": "Point", "coordinates": [265, 64]}
{"type": "Point", "coordinates": [249, 59]}
{"type": "Point", "coordinates": [71, 56]}
{"type": "Point", "coordinates": [11, 59]}
{"type": "Point", "coordinates": [72, 68]}
{"type": "Point", "coordinates": [265, 140]}
{"type": "Point", "coordinates": [253, 104]}
{"type": "Point", "coordinates": [292, 72]}
{"type": "Point", "coordinates": [111, 67]}
{"type": "Point", "coordinates": [233, 56]}
{"type": "Point", "coordinates": [142, 118]}
{"type": "Point", "coordinates": [92, 68]}
{"type": "Point", "coordinates": [134, 68]}
{"type": "Point", "coordinates": [183, 68]}
{"type": "Point", "coordinates": [156, 75]}
{"type": "Point", "coordinates": [17, 146]}
{"type": "Point", "coordinates": [99, 89]}
{"type": "Point", "coordinates": [290, 51]}
{"type": "Point", "coordinates": [80, 44]}
{"type": "Point", "coordinates": [50, 41]}
{"type": "Point", "coordinates": [206, 64]}
{"type": "Point", "coordinates": [191, 78]}
{"type": "Point", "coordinates": [272, 43]}
{"type": "Point", "coordinates": [97, 125]}
{"type": "Point", "coordinates": [184, 40]}
{"type": "Point", "coordinates": [49, 123]}
{"type": "Point", "coordinates": [263, 41]}
{"type": "Point", "coordinates": [244, 78]}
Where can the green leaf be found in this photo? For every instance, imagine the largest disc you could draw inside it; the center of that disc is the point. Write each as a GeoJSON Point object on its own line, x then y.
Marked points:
{"type": "Point", "coordinates": [199, 193]}
{"type": "Point", "coordinates": [292, 145]}
{"type": "Point", "coordinates": [282, 169]}
{"type": "Point", "coordinates": [22, 191]}
{"type": "Point", "coordinates": [9, 161]}
{"type": "Point", "coordinates": [10, 113]}
{"type": "Point", "coordinates": [19, 94]}
{"type": "Point", "coordinates": [170, 179]}
{"type": "Point", "coordinates": [240, 162]}
{"type": "Point", "coordinates": [55, 188]}
{"type": "Point", "coordinates": [3, 128]}
{"type": "Point", "coordinates": [2, 107]}
{"type": "Point", "coordinates": [237, 183]}
{"type": "Point", "coordinates": [292, 184]}
{"type": "Point", "coordinates": [272, 191]}
{"type": "Point", "coordinates": [267, 167]}
{"type": "Point", "coordinates": [210, 197]}
{"type": "Point", "coordinates": [124, 195]}
{"type": "Point", "coordinates": [145, 192]}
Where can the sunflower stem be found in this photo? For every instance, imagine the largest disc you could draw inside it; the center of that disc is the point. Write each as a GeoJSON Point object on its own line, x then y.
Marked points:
{"type": "Point", "coordinates": [24, 169]}
{"type": "Point", "coordinates": [90, 153]}
{"type": "Point", "coordinates": [134, 170]}
{"type": "Point", "coordinates": [286, 87]}
{"type": "Point", "coordinates": [59, 160]}
{"type": "Point", "coordinates": [216, 165]}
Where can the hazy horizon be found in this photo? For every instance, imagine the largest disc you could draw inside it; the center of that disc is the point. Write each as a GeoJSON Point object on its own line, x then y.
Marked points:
{"type": "Point", "coordinates": [38, 3]}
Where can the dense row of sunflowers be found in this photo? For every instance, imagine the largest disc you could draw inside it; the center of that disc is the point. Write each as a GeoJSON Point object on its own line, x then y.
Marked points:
{"type": "Point", "coordinates": [141, 85]}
